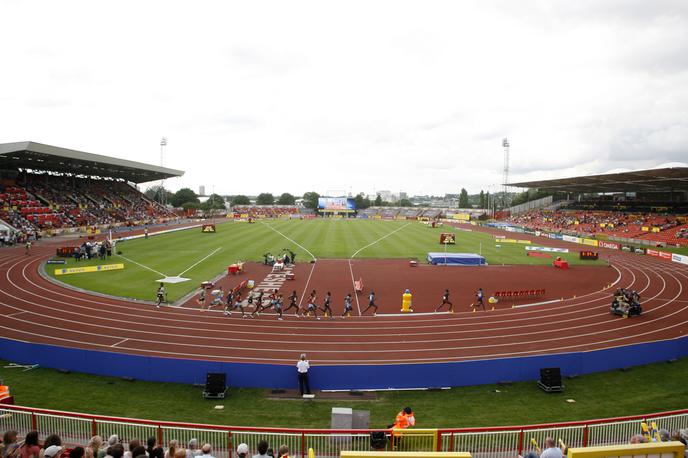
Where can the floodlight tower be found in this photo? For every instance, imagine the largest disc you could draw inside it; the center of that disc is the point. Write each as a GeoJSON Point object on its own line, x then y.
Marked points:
{"type": "Point", "coordinates": [163, 196]}
{"type": "Point", "coordinates": [505, 176]}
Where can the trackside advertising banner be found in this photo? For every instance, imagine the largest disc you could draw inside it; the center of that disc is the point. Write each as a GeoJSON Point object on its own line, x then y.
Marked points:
{"type": "Point", "coordinates": [658, 254]}
{"type": "Point", "coordinates": [682, 259]}
{"type": "Point", "coordinates": [612, 245]}
{"type": "Point", "coordinates": [569, 238]}
{"type": "Point", "coordinates": [547, 248]}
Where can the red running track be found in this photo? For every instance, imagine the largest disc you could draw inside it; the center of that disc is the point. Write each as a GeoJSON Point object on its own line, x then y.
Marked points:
{"type": "Point", "coordinates": [34, 309]}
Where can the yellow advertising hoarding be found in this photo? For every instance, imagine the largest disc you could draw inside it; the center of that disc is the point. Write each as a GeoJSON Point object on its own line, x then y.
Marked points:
{"type": "Point", "coordinates": [86, 269]}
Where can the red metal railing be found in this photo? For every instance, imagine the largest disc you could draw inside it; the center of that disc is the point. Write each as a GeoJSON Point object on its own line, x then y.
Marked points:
{"type": "Point", "coordinates": [496, 441]}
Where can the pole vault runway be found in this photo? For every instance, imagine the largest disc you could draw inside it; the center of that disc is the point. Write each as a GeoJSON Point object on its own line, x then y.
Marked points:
{"type": "Point", "coordinates": [38, 311]}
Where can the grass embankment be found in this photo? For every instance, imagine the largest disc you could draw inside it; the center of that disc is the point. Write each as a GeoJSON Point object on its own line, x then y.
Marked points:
{"type": "Point", "coordinates": [176, 253]}
{"type": "Point", "coordinates": [644, 389]}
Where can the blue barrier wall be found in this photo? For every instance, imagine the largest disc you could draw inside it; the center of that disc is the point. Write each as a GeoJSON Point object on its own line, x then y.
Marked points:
{"type": "Point", "coordinates": [341, 377]}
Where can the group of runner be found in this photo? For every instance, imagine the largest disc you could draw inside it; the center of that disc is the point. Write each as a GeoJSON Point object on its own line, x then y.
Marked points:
{"type": "Point", "coordinates": [450, 306]}
{"type": "Point", "coordinates": [275, 301]}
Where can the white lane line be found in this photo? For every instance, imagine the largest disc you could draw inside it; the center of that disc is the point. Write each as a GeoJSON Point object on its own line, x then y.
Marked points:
{"type": "Point", "coordinates": [305, 288]}
{"type": "Point", "coordinates": [291, 240]}
{"type": "Point", "coordinates": [212, 253]}
{"type": "Point", "coordinates": [118, 343]}
{"type": "Point", "coordinates": [379, 240]}
{"type": "Point", "coordinates": [353, 284]}
{"type": "Point", "coordinates": [11, 315]}
{"type": "Point", "coordinates": [141, 265]}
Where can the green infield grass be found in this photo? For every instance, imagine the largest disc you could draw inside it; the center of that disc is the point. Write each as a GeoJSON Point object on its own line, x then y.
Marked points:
{"type": "Point", "coordinates": [202, 256]}
{"type": "Point", "coordinates": [639, 390]}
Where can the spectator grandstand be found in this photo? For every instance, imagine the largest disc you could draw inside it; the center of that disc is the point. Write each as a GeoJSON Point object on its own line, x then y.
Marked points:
{"type": "Point", "coordinates": [648, 206]}
{"type": "Point", "coordinates": [48, 190]}
{"type": "Point", "coordinates": [267, 211]}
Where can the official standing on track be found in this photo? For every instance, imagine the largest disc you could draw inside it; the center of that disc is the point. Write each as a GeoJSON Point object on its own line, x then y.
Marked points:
{"type": "Point", "coordinates": [302, 368]}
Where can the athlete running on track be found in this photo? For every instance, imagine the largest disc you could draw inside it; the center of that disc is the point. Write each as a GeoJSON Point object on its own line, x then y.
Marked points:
{"type": "Point", "coordinates": [445, 301]}
{"type": "Point", "coordinates": [347, 306]}
{"type": "Point", "coordinates": [371, 303]}
{"type": "Point", "coordinates": [327, 311]}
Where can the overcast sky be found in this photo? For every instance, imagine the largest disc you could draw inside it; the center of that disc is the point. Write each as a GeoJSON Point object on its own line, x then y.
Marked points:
{"type": "Point", "coordinates": [293, 96]}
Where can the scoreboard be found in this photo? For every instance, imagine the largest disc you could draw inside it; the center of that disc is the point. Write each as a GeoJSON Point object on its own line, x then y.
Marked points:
{"type": "Point", "coordinates": [589, 255]}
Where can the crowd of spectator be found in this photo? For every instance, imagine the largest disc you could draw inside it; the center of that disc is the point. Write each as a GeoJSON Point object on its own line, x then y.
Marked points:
{"type": "Point", "coordinates": [644, 226]}
{"type": "Point", "coordinates": [44, 202]}
{"type": "Point", "coordinates": [265, 211]}
{"type": "Point", "coordinates": [52, 447]}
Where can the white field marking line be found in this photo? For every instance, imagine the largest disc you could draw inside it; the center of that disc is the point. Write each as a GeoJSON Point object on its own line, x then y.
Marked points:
{"type": "Point", "coordinates": [12, 315]}
{"type": "Point", "coordinates": [444, 340]}
{"type": "Point", "coordinates": [118, 343]}
{"type": "Point", "coordinates": [618, 279]}
{"type": "Point", "coordinates": [353, 284]}
{"type": "Point", "coordinates": [380, 239]}
{"type": "Point", "coordinates": [291, 240]}
{"type": "Point", "coordinates": [305, 288]}
{"type": "Point", "coordinates": [141, 265]}
{"type": "Point", "coordinates": [197, 263]}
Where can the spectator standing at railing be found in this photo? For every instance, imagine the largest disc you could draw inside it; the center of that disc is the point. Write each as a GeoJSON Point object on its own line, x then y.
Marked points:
{"type": "Point", "coordinates": [51, 441]}
{"type": "Point", "coordinates": [9, 444]}
{"type": "Point", "coordinates": [153, 449]}
{"type": "Point", "coordinates": [262, 450]}
{"type": "Point", "coordinates": [30, 448]}
{"type": "Point", "coordinates": [192, 449]}
{"type": "Point", "coordinates": [93, 447]}
{"type": "Point", "coordinates": [551, 450]}
{"type": "Point", "coordinates": [133, 443]}
{"type": "Point", "coordinates": [283, 452]}
{"type": "Point", "coordinates": [242, 450]}
{"type": "Point", "coordinates": [206, 450]}
{"type": "Point", "coordinates": [77, 452]}
{"type": "Point", "coordinates": [174, 445]}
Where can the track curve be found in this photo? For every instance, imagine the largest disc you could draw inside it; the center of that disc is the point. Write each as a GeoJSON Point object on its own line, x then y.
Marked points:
{"type": "Point", "coordinates": [38, 311]}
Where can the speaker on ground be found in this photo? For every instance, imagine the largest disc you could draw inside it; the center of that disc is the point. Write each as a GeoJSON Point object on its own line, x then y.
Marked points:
{"type": "Point", "coordinates": [215, 385]}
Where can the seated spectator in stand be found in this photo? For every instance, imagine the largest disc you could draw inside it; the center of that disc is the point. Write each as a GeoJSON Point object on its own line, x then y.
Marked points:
{"type": "Point", "coordinates": [207, 451]}
{"type": "Point", "coordinates": [180, 453]}
{"type": "Point", "coordinates": [50, 441]}
{"type": "Point", "coordinates": [30, 449]}
{"type": "Point", "coordinates": [262, 450]}
{"type": "Point", "coordinates": [242, 450]}
{"type": "Point", "coordinates": [93, 447]}
{"type": "Point", "coordinates": [283, 452]}
{"type": "Point", "coordinates": [77, 452]}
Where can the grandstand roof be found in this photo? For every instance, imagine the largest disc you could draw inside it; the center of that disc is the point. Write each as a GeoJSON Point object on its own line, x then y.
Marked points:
{"type": "Point", "coordinates": [653, 180]}
{"type": "Point", "coordinates": [37, 156]}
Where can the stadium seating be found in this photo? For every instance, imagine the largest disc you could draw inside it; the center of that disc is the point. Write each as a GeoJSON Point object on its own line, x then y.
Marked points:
{"type": "Point", "coordinates": [40, 202]}
{"type": "Point", "coordinates": [663, 229]}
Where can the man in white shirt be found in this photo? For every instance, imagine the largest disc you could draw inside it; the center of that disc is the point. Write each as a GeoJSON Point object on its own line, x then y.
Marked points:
{"type": "Point", "coordinates": [302, 369]}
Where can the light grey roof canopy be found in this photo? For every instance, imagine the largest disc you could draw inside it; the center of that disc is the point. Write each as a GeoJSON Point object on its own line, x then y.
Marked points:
{"type": "Point", "coordinates": [37, 156]}
{"type": "Point", "coordinates": [653, 180]}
